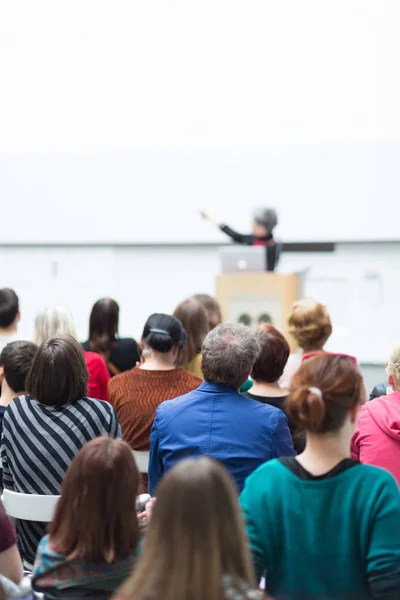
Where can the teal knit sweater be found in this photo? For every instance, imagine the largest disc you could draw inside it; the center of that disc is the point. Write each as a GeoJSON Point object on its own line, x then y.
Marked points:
{"type": "Point", "coordinates": [329, 539]}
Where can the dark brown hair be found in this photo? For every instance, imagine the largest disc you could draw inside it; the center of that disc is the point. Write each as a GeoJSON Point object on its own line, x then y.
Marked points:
{"type": "Point", "coordinates": [309, 324]}
{"type": "Point", "coordinates": [194, 320]}
{"type": "Point", "coordinates": [95, 518]}
{"type": "Point", "coordinates": [273, 356]}
{"type": "Point", "coordinates": [9, 307]}
{"type": "Point", "coordinates": [212, 308]}
{"type": "Point", "coordinates": [16, 359]}
{"type": "Point", "coordinates": [58, 374]}
{"type": "Point", "coordinates": [103, 326]}
{"type": "Point", "coordinates": [341, 386]}
{"type": "Point", "coordinates": [195, 537]}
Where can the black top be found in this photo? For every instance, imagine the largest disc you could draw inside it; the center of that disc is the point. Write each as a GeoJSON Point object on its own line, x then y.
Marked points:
{"type": "Point", "coordinates": [251, 240]}
{"type": "Point", "coordinates": [378, 391]}
{"type": "Point", "coordinates": [124, 355]}
{"type": "Point", "coordinates": [298, 435]}
{"type": "Point", "coordinates": [295, 467]}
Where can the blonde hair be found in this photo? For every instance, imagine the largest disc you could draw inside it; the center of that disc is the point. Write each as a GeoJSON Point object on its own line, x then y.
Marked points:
{"type": "Point", "coordinates": [393, 365]}
{"type": "Point", "coordinates": [53, 322]}
{"type": "Point", "coordinates": [309, 324]}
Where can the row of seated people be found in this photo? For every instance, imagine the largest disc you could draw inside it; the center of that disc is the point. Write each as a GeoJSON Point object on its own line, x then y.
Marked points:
{"type": "Point", "coordinates": [318, 525]}
{"type": "Point", "coordinates": [106, 353]}
{"type": "Point", "coordinates": [224, 347]}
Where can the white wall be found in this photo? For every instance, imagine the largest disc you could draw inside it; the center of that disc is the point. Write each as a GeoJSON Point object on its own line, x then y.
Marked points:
{"type": "Point", "coordinates": [358, 282]}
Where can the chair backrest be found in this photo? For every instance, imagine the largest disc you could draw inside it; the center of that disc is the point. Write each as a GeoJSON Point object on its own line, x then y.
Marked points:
{"type": "Point", "coordinates": [142, 460]}
{"type": "Point", "coordinates": [29, 507]}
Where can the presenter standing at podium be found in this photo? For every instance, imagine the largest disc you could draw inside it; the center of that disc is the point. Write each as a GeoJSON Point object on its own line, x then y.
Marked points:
{"type": "Point", "coordinates": [264, 221]}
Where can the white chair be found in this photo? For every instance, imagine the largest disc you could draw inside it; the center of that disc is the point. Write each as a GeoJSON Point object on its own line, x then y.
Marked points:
{"type": "Point", "coordinates": [29, 507]}
{"type": "Point", "coordinates": [142, 460]}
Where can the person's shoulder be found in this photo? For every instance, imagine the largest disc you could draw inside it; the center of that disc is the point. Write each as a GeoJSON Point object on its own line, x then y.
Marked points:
{"type": "Point", "coordinates": [174, 405]}
{"type": "Point", "coordinates": [266, 411]}
{"type": "Point", "coordinates": [124, 378]}
{"type": "Point", "coordinates": [19, 404]}
{"type": "Point", "coordinates": [371, 475]}
{"type": "Point", "coordinates": [94, 361]}
{"type": "Point", "coordinates": [126, 344]}
{"type": "Point", "coordinates": [85, 345]}
{"type": "Point", "coordinates": [268, 474]}
{"type": "Point", "coordinates": [94, 405]}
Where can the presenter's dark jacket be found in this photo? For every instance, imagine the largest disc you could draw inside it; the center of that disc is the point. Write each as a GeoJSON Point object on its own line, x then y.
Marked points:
{"type": "Point", "coordinates": [250, 240]}
{"type": "Point", "coordinates": [216, 421]}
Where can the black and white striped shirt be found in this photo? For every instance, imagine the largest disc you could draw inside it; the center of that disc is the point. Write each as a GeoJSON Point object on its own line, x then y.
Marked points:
{"type": "Point", "coordinates": [38, 444]}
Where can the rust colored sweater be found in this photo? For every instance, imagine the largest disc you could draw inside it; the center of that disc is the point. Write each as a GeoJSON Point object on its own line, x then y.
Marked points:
{"type": "Point", "coordinates": [136, 394]}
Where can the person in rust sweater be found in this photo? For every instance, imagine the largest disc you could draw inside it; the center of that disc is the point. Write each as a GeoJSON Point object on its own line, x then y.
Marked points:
{"type": "Point", "coordinates": [136, 394]}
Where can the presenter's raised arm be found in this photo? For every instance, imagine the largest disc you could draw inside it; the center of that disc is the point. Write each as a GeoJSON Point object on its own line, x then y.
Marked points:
{"type": "Point", "coordinates": [237, 237]}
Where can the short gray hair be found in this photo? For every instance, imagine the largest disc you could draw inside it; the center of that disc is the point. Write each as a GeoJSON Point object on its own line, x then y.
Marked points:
{"type": "Point", "coordinates": [228, 354]}
{"type": "Point", "coordinates": [267, 217]}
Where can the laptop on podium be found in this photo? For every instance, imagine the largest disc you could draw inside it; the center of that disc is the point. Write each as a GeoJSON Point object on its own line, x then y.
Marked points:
{"type": "Point", "coordinates": [243, 259]}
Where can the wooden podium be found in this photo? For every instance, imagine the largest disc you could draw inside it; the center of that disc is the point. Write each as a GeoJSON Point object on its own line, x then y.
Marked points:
{"type": "Point", "coordinates": [254, 298]}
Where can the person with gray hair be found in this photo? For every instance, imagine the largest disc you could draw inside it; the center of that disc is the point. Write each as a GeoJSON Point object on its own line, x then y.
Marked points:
{"type": "Point", "coordinates": [264, 222]}
{"type": "Point", "coordinates": [216, 420]}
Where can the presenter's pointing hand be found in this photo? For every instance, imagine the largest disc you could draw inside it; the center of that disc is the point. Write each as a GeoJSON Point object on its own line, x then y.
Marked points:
{"type": "Point", "coordinates": [210, 218]}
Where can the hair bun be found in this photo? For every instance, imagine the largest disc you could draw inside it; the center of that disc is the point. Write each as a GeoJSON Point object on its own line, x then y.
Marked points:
{"type": "Point", "coordinates": [306, 407]}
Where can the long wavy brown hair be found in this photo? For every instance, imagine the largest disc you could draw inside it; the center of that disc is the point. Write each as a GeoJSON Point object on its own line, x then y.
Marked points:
{"type": "Point", "coordinates": [195, 538]}
{"type": "Point", "coordinates": [193, 317]}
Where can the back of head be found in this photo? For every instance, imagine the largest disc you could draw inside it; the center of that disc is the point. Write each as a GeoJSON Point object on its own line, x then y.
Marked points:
{"type": "Point", "coordinates": [273, 356]}
{"type": "Point", "coordinates": [194, 320]}
{"type": "Point", "coordinates": [323, 391]}
{"type": "Point", "coordinates": [309, 324]}
{"type": "Point", "coordinates": [229, 353]}
{"type": "Point", "coordinates": [16, 360]}
{"type": "Point", "coordinates": [162, 332]}
{"type": "Point", "coordinates": [103, 326]}
{"type": "Point", "coordinates": [393, 367]}
{"type": "Point", "coordinates": [196, 524]}
{"type": "Point", "coordinates": [95, 518]}
{"type": "Point", "coordinates": [53, 322]}
{"type": "Point", "coordinates": [9, 308]}
{"type": "Point", "coordinates": [212, 308]}
{"type": "Point", "coordinates": [59, 374]}
{"type": "Point", "coordinates": [266, 217]}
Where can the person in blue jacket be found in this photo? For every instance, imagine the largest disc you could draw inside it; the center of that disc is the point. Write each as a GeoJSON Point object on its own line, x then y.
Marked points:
{"type": "Point", "coordinates": [215, 420]}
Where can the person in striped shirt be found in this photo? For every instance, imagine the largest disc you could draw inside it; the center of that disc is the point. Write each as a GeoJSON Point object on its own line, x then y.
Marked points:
{"type": "Point", "coordinates": [45, 428]}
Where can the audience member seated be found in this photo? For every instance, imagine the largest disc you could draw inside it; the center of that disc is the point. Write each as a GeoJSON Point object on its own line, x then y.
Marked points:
{"type": "Point", "coordinates": [58, 321]}
{"type": "Point", "coordinates": [45, 429]}
{"type": "Point", "coordinates": [266, 373]}
{"type": "Point", "coordinates": [194, 320]}
{"type": "Point", "coordinates": [377, 437]}
{"type": "Point", "coordinates": [93, 541]}
{"type": "Point", "coordinates": [310, 326]}
{"type": "Point", "coordinates": [195, 545]}
{"type": "Point", "coordinates": [323, 525]}
{"type": "Point", "coordinates": [15, 362]}
{"type": "Point", "coordinates": [120, 354]}
{"type": "Point", "coordinates": [9, 316]}
{"type": "Point", "coordinates": [215, 419]}
{"type": "Point", "coordinates": [10, 560]}
{"type": "Point", "coordinates": [212, 308]}
{"type": "Point", "coordinates": [381, 389]}
{"type": "Point", "coordinates": [136, 394]}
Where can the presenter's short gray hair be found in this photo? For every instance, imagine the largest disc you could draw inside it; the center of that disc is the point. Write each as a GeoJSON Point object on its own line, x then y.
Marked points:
{"type": "Point", "coordinates": [228, 354]}
{"type": "Point", "coordinates": [266, 217]}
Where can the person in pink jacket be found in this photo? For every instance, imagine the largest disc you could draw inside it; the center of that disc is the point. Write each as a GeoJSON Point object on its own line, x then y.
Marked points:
{"type": "Point", "coordinates": [377, 437]}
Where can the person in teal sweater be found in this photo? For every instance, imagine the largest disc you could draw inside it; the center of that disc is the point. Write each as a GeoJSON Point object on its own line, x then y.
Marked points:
{"type": "Point", "coordinates": [322, 526]}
